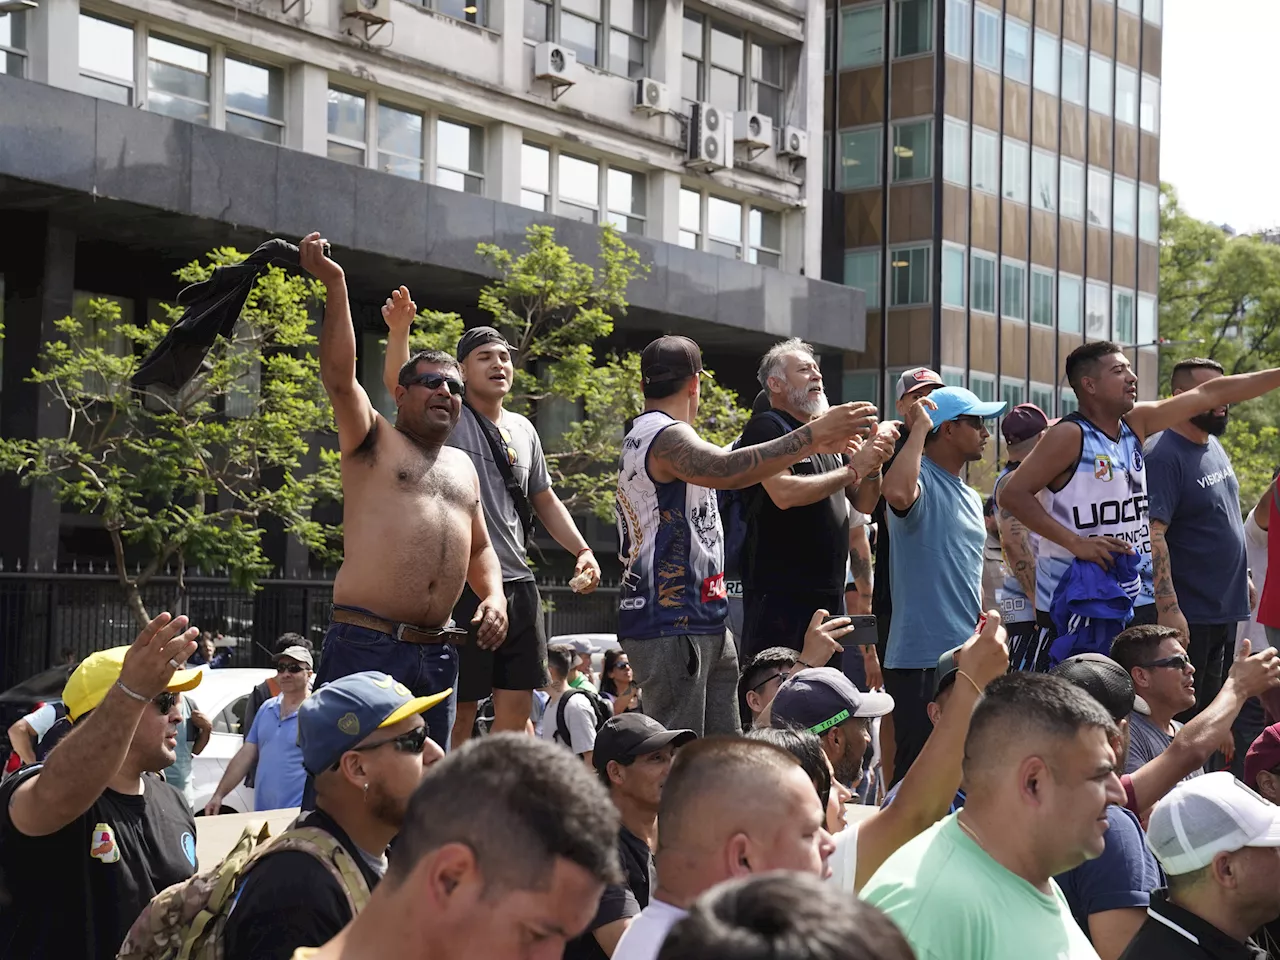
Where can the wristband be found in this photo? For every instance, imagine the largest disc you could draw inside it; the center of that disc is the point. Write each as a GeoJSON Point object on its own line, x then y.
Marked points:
{"type": "Point", "coordinates": [131, 694]}
{"type": "Point", "coordinates": [873, 476]}
{"type": "Point", "coordinates": [857, 477]}
{"type": "Point", "coordinates": [801, 663]}
{"type": "Point", "coordinates": [582, 551]}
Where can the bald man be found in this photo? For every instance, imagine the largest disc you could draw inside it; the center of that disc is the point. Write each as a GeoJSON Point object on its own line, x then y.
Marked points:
{"type": "Point", "coordinates": [730, 808]}
{"type": "Point", "coordinates": [978, 886]}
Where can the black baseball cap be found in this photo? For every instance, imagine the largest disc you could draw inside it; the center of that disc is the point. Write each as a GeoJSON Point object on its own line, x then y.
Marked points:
{"type": "Point", "coordinates": [633, 735]}
{"type": "Point", "coordinates": [820, 698]}
{"type": "Point", "coordinates": [477, 337]}
{"type": "Point", "coordinates": [670, 358]}
{"type": "Point", "coordinates": [948, 668]}
{"type": "Point", "coordinates": [1103, 679]}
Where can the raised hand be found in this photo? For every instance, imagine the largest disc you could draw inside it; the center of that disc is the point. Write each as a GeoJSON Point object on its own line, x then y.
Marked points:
{"type": "Point", "coordinates": [918, 415]}
{"type": "Point", "coordinates": [820, 640]}
{"type": "Point", "coordinates": [1255, 673]}
{"type": "Point", "coordinates": [985, 655]}
{"type": "Point", "coordinates": [833, 430]}
{"type": "Point", "coordinates": [312, 256]}
{"type": "Point", "coordinates": [161, 648]}
{"type": "Point", "coordinates": [399, 310]}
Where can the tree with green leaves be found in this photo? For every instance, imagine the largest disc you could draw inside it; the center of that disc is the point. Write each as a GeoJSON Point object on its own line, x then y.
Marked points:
{"type": "Point", "coordinates": [186, 481]}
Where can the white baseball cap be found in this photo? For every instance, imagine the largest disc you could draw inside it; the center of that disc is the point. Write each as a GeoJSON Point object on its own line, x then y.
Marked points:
{"type": "Point", "coordinates": [1208, 815]}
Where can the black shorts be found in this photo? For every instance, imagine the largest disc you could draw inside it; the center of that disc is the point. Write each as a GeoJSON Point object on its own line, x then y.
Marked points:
{"type": "Point", "coordinates": [521, 662]}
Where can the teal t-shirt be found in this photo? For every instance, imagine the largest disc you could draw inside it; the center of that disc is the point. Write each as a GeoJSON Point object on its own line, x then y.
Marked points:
{"type": "Point", "coordinates": [953, 902]}
{"type": "Point", "coordinates": [936, 570]}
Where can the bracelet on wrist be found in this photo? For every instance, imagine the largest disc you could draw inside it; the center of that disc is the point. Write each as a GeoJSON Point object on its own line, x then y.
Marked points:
{"type": "Point", "coordinates": [971, 680]}
{"type": "Point", "coordinates": [582, 551]}
{"type": "Point", "coordinates": [132, 694]}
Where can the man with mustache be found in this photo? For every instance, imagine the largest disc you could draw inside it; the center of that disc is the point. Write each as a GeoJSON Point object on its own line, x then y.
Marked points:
{"type": "Point", "coordinates": [1199, 564]}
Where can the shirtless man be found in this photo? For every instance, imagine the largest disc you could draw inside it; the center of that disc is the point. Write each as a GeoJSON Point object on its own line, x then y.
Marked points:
{"type": "Point", "coordinates": [414, 532]}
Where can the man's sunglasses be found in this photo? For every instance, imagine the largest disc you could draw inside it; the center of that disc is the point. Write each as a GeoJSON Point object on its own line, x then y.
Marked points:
{"type": "Point", "coordinates": [411, 742]}
{"type": "Point", "coordinates": [1180, 662]}
{"type": "Point", "coordinates": [769, 679]}
{"type": "Point", "coordinates": [432, 381]}
{"type": "Point", "coordinates": [970, 421]}
{"type": "Point", "coordinates": [165, 702]}
{"type": "Point", "coordinates": [289, 668]}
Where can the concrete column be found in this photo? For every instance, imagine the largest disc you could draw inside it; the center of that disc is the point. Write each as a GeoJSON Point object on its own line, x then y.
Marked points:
{"type": "Point", "coordinates": [664, 206]}
{"type": "Point", "coordinates": [810, 80]}
{"type": "Point", "coordinates": [53, 43]}
{"type": "Point", "coordinates": [307, 109]}
{"type": "Point", "coordinates": [502, 162]}
{"type": "Point", "coordinates": [507, 18]}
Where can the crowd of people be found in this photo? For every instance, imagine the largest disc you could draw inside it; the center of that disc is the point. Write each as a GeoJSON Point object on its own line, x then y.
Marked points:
{"type": "Point", "coordinates": [859, 710]}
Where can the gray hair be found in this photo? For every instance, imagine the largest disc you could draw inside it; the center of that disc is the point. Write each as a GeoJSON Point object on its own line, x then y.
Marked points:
{"type": "Point", "coordinates": [771, 362]}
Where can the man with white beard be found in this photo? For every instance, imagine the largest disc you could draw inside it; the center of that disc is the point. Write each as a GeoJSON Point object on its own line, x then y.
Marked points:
{"type": "Point", "coordinates": [797, 548]}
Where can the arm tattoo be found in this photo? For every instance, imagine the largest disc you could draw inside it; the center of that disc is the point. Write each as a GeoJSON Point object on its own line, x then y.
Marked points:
{"type": "Point", "coordinates": [1161, 574]}
{"type": "Point", "coordinates": [861, 565]}
{"type": "Point", "coordinates": [688, 456]}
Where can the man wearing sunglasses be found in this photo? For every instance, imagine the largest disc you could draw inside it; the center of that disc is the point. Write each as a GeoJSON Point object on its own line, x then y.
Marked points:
{"type": "Point", "coordinates": [1165, 680]}
{"type": "Point", "coordinates": [414, 529]}
{"type": "Point", "coordinates": [364, 742]}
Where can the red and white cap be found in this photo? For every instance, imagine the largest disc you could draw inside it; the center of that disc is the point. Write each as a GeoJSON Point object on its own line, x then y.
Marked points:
{"type": "Point", "coordinates": [915, 378]}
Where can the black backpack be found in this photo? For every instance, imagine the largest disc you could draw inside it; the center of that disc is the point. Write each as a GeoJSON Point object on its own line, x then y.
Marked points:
{"type": "Point", "coordinates": [601, 707]}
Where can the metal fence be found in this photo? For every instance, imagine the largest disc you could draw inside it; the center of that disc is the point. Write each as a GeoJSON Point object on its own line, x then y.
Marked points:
{"type": "Point", "coordinates": [42, 615]}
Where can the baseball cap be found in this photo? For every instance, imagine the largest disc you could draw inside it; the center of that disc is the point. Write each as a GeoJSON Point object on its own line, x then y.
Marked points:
{"type": "Point", "coordinates": [670, 358]}
{"type": "Point", "coordinates": [958, 402]}
{"type": "Point", "coordinates": [916, 378]}
{"type": "Point", "coordinates": [344, 711]}
{"type": "Point", "coordinates": [1103, 679]}
{"type": "Point", "coordinates": [581, 645]}
{"type": "Point", "coordinates": [97, 673]}
{"type": "Point", "coordinates": [945, 675]}
{"type": "Point", "coordinates": [299, 653]}
{"type": "Point", "coordinates": [1264, 754]}
{"type": "Point", "coordinates": [1208, 815]}
{"type": "Point", "coordinates": [819, 698]}
{"type": "Point", "coordinates": [477, 337]}
{"type": "Point", "coordinates": [633, 735]}
{"type": "Point", "coordinates": [1023, 422]}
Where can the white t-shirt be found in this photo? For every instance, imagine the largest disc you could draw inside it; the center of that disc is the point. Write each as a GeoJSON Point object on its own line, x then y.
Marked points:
{"type": "Point", "coordinates": [844, 859]}
{"type": "Point", "coordinates": [644, 938]}
{"type": "Point", "coordinates": [1255, 548]}
{"type": "Point", "coordinates": [579, 719]}
{"type": "Point", "coordinates": [41, 720]}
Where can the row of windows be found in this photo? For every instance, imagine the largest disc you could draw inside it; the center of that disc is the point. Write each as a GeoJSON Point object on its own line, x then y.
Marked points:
{"type": "Point", "coordinates": [717, 225]}
{"type": "Point", "coordinates": [552, 181]}
{"type": "Point", "coordinates": [13, 44]}
{"type": "Point", "coordinates": [862, 32]}
{"type": "Point", "coordinates": [609, 34]}
{"type": "Point", "coordinates": [737, 71]}
{"type": "Point", "coordinates": [861, 154]}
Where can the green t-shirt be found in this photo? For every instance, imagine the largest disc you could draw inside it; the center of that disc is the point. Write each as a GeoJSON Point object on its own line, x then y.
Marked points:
{"type": "Point", "coordinates": [580, 682]}
{"type": "Point", "coordinates": [953, 902]}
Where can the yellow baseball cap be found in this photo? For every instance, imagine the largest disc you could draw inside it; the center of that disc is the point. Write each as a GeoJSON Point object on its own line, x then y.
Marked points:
{"type": "Point", "coordinates": [98, 672]}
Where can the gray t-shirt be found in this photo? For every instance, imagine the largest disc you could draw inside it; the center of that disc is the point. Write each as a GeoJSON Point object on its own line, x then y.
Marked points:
{"type": "Point", "coordinates": [530, 469]}
{"type": "Point", "coordinates": [579, 719]}
{"type": "Point", "coordinates": [1147, 741]}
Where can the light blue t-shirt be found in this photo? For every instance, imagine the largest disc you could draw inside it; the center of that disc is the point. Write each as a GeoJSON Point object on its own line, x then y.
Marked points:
{"type": "Point", "coordinates": [280, 778]}
{"type": "Point", "coordinates": [179, 772]}
{"type": "Point", "coordinates": [936, 567]}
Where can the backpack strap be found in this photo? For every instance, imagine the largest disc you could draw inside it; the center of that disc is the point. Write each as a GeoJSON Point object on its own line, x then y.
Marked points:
{"type": "Point", "coordinates": [326, 848]}
{"type": "Point", "coordinates": [562, 728]}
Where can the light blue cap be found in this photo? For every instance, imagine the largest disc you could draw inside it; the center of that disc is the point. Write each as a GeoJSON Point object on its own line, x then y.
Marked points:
{"type": "Point", "coordinates": [958, 402]}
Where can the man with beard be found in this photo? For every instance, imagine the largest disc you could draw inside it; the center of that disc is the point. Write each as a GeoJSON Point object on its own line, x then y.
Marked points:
{"type": "Point", "coordinates": [414, 530]}
{"type": "Point", "coordinates": [1200, 570]}
{"type": "Point", "coordinates": [365, 743]}
{"type": "Point", "coordinates": [797, 551]}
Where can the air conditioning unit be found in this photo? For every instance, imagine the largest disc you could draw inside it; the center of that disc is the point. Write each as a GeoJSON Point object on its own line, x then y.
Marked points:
{"type": "Point", "coordinates": [554, 63]}
{"type": "Point", "coordinates": [651, 96]}
{"type": "Point", "coordinates": [754, 130]}
{"type": "Point", "coordinates": [794, 143]}
{"type": "Point", "coordinates": [373, 11]}
{"type": "Point", "coordinates": [709, 143]}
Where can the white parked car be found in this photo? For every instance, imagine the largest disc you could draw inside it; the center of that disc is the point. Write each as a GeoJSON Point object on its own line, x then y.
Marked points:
{"type": "Point", "coordinates": [223, 697]}
{"type": "Point", "coordinates": [604, 641]}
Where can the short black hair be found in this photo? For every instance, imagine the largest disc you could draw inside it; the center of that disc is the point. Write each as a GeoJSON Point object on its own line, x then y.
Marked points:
{"type": "Point", "coordinates": [560, 658]}
{"type": "Point", "coordinates": [767, 661]}
{"type": "Point", "coordinates": [437, 357]}
{"type": "Point", "coordinates": [517, 803]}
{"type": "Point", "coordinates": [805, 747]}
{"type": "Point", "coordinates": [783, 916]}
{"type": "Point", "coordinates": [291, 639]}
{"type": "Point", "coordinates": [1083, 360]}
{"type": "Point", "coordinates": [1181, 375]}
{"type": "Point", "coordinates": [664, 388]}
{"type": "Point", "coordinates": [1139, 644]}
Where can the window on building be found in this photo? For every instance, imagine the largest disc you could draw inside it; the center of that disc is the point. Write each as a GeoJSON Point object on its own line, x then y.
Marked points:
{"type": "Point", "coordinates": [625, 199]}
{"type": "Point", "coordinates": [986, 163]}
{"type": "Point", "coordinates": [1148, 213]}
{"type": "Point", "coordinates": [1099, 198]}
{"type": "Point", "coordinates": [1147, 326]}
{"type": "Point", "coordinates": [1044, 180]}
{"type": "Point", "coordinates": [690, 219]}
{"type": "Point", "coordinates": [1017, 50]}
{"type": "Point", "coordinates": [724, 227]}
{"type": "Point", "coordinates": [1070, 303]}
{"type": "Point", "coordinates": [1067, 402]}
{"type": "Point", "coordinates": [1152, 11]}
{"type": "Point", "coordinates": [862, 270]}
{"type": "Point", "coordinates": [579, 188]}
{"type": "Point", "coordinates": [693, 44]}
{"type": "Point", "coordinates": [102, 335]}
{"type": "Point", "coordinates": [610, 34]}
{"type": "Point", "coordinates": [1014, 173]}
{"type": "Point", "coordinates": [347, 127]}
{"type": "Point", "coordinates": [628, 35]}
{"type": "Point", "coordinates": [1133, 6]}
{"type": "Point", "coordinates": [255, 100]}
{"type": "Point", "coordinates": [1149, 108]}
{"type": "Point", "coordinates": [1073, 74]}
{"type": "Point", "coordinates": [766, 78]}
{"type": "Point", "coordinates": [860, 154]}
{"type": "Point", "coordinates": [13, 44]}
{"type": "Point", "coordinates": [1042, 397]}
{"type": "Point", "coordinates": [764, 231]}
{"type": "Point", "coordinates": [912, 150]}
{"type": "Point", "coordinates": [955, 152]}
{"type": "Point", "coordinates": [1122, 311]}
{"type": "Point", "coordinates": [1097, 310]}
{"type": "Point", "coordinates": [828, 182]}
{"type": "Point", "coordinates": [725, 67]}
{"type": "Point", "coordinates": [1126, 95]}
{"type": "Point", "coordinates": [1125, 198]}
{"type": "Point", "coordinates": [469, 11]}
{"type": "Point", "coordinates": [1012, 392]}
{"type": "Point", "coordinates": [910, 278]}
{"type": "Point", "coordinates": [400, 141]}
{"type": "Point", "coordinates": [828, 53]}
{"type": "Point", "coordinates": [1013, 290]}
{"type": "Point", "coordinates": [986, 37]}
{"type": "Point", "coordinates": [953, 275]}
{"type": "Point", "coordinates": [459, 156]}
{"type": "Point", "coordinates": [982, 282]}
{"type": "Point", "coordinates": [177, 79]}
{"type": "Point", "coordinates": [959, 16]}
{"type": "Point", "coordinates": [861, 36]}
{"type": "Point", "coordinates": [860, 386]}
{"type": "Point", "coordinates": [1046, 62]}
{"type": "Point", "coordinates": [1071, 186]}
{"type": "Point", "coordinates": [730, 69]}
{"type": "Point", "coordinates": [535, 178]}
{"type": "Point", "coordinates": [1100, 84]}
{"type": "Point", "coordinates": [952, 377]}
{"type": "Point", "coordinates": [106, 59]}
{"type": "Point", "coordinates": [983, 385]}
{"type": "Point", "coordinates": [913, 27]}
{"type": "Point", "coordinates": [1042, 298]}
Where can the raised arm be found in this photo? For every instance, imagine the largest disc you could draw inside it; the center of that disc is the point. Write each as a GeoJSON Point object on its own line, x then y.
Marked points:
{"type": "Point", "coordinates": [1015, 539]}
{"type": "Point", "coordinates": [1150, 418]}
{"type": "Point", "coordinates": [484, 577]}
{"type": "Point", "coordinates": [901, 487]}
{"type": "Point", "coordinates": [398, 312]}
{"type": "Point", "coordinates": [351, 407]}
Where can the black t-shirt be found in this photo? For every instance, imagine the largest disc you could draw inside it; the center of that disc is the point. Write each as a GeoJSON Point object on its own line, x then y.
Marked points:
{"type": "Point", "coordinates": [803, 549]}
{"type": "Point", "coordinates": [1178, 934]}
{"type": "Point", "coordinates": [881, 599]}
{"type": "Point", "coordinates": [619, 900]}
{"type": "Point", "coordinates": [76, 893]}
{"type": "Point", "coordinates": [290, 900]}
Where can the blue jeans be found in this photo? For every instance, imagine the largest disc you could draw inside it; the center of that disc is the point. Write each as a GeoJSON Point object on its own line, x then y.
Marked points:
{"type": "Point", "coordinates": [425, 668]}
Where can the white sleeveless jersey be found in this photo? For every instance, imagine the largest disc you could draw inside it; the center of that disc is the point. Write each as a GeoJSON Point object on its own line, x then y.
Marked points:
{"type": "Point", "coordinates": [670, 543]}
